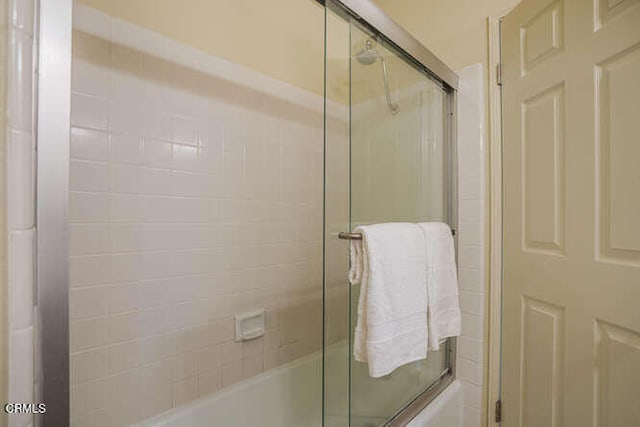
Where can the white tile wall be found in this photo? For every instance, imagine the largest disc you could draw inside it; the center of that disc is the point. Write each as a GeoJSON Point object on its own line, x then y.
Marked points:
{"type": "Point", "coordinates": [192, 200]}
{"type": "Point", "coordinates": [471, 240]}
{"type": "Point", "coordinates": [20, 204]}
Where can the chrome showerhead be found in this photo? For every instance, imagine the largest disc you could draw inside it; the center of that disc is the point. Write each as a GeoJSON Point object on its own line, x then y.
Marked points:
{"type": "Point", "coordinates": [368, 54]}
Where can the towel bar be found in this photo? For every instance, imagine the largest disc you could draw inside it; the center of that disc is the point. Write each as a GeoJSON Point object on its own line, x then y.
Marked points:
{"type": "Point", "coordinates": [358, 236]}
{"type": "Point", "coordinates": [349, 236]}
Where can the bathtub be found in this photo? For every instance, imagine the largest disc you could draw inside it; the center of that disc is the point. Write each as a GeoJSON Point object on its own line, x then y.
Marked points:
{"type": "Point", "coordinates": [265, 400]}
{"type": "Point", "coordinates": [444, 411]}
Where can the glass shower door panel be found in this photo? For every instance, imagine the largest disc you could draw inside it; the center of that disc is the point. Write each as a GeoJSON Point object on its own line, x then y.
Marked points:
{"type": "Point", "coordinates": [196, 214]}
{"type": "Point", "coordinates": [397, 174]}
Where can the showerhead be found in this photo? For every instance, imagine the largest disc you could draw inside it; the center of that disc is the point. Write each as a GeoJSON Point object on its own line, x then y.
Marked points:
{"type": "Point", "coordinates": [368, 54]}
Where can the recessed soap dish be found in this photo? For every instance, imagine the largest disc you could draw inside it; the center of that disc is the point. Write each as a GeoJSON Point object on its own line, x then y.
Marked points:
{"type": "Point", "coordinates": [250, 325]}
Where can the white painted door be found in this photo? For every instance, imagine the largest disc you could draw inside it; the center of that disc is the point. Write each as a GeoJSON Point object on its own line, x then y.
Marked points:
{"type": "Point", "coordinates": [571, 319]}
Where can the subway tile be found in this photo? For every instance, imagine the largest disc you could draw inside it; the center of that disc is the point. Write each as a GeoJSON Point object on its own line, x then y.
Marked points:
{"type": "Point", "coordinates": [156, 124]}
{"type": "Point", "coordinates": [252, 366]}
{"type": "Point", "coordinates": [127, 116]}
{"type": "Point", "coordinates": [231, 352]}
{"type": "Point", "coordinates": [99, 418]}
{"type": "Point", "coordinates": [89, 73]}
{"type": "Point", "coordinates": [232, 373]}
{"type": "Point", "coordinates": [189, 184]}
{"type": "Point", "coordinates": [471, 212]}
{"type": "Point", "coordinates": [124, 412]}
{"type": "Point", "coordinates": [210, 159]}
{"type": "Point", "coordinates": [88, 239]}
{"type": "Point", "coordinates": [88, 365]}
{"type": "Point", "coordinates": [20, 83]}
{"type": "Point", "coordinates": [89, 112]}
{"type": "Point", "coordinates": [469, 371]}
{"type": "Point", "coordinates": [185, 157]}
{"type": "Point", "coordinates": [271, 359]}
{"type": "Point", "coordinates": [472, 326]}
{"type": "Point", "coordinates": [128, 207]}
{"type": "Point", "coordinates": [184, 130]}
{"type": "Point", "coordinates": [89, 144]}
{"type": "Point", "coordinates": [127, 355]}
{"type": "Point", "coordinates": [184, 390]}
{"type": "Point", "coordinates": [87, 334]}
{"type": "Point", "coordinates": [124, 389]}
{"type": "Point", "coordinates": [209, 382]}
{"type": "Point", "coordinates": [184, 366]}
{"type": "Point", "coordinates": [471, 188]}
{"type": "Point", "coordinates": [471, 279]}
{"type": "Point", "coordinates": [472, 417]}
{"type": "Point", "coordinates": [22, 15]}
{"type": "Point", "coordinates": [88, 207]}
{"type": "Point", "coordinates": [471, 233]}
{"type": "Point", "coordinates": [127, 179]}
{"type": "Point", "coordinates": [21, 278]}
{"type": "Point", "coordinates": [472, 395]}
{"type": "Point", "coordinates": [133, 325]}
{"type": "Point", "coordinates": [20, 176]}
{"type": "Point", "coordinates": [88, 176]}
{"type": "Point", "coordinates": [20, 366]}
{"type": "Point", "coordinates": [209, 359]}
{"type": "Point", "coordinates": [470, 349]}
{"type": "Point", "coordinates": [88, 397]}
{"type": "Point", "coordinates": [472, 303]}
{"type": "Point", "coordinates": [157, 153]}
{"type": "Point", "coordinates": [88, 302]}
{"type": "Point", "coordinates": [471, 163]}
{"type": "Point", "coordinates": [471, 256]}
{"type": "Point", "coordinates": [123, 297]}
{"type": "Point", "coordinates": [156, 383]}
{"type": "Point", "coordinates": [126, 149]}
{"type": "Point", "coordinates": [89, 270]}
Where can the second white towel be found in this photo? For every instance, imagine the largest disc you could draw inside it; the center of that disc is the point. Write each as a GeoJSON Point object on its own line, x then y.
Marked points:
{"type": "Point", "coordinates": [442, 283]}
{"type": "Point", "coordinates": [391, 327]}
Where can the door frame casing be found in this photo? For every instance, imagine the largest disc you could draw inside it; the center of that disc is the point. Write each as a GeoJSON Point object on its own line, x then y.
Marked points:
{"type": "Point", "coordinates": [494, 303]}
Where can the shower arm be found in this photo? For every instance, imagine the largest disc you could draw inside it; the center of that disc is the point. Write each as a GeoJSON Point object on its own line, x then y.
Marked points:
{"type": "Point", "coordinates": [385, 77]}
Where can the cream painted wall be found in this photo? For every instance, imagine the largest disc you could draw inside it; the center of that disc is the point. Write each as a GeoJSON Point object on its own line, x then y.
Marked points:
{"type": "Point", "coordinates": [280, 38]}
{"type": "Point", "coordinates": [285, 38]}
{"type": "Point", "coordinates": [455, 30]}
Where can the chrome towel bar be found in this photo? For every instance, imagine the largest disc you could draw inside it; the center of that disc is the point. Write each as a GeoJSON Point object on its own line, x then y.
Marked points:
{"type": "Point", "coordinates": [358, 236]}
{"type": "Point", "coordinates": [349, 236]}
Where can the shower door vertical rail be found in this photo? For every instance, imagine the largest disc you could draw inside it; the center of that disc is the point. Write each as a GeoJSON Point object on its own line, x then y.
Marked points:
{"type": "Point", "coordinates": [52, 196]}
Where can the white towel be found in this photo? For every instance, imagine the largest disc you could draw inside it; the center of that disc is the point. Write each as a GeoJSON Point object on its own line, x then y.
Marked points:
{"type": "Point", "coordinates": [391, 327]}
{"type": "Point", "coordinates": [442, 283]}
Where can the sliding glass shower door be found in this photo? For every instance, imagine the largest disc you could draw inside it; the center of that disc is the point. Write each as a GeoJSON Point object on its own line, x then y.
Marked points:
{"type": "Point", "coordinates": [388, 151]}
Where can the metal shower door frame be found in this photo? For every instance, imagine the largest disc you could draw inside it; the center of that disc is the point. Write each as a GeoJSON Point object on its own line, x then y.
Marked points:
{"type": "Point", "coordinates": [52, 216]}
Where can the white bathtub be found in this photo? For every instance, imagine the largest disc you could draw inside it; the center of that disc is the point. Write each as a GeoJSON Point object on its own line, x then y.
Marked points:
{"type": "Point", "coordinates": [266, 400]}
{"type": "Point", "coordinates": [263, 400]}
{"type": "Point", "coordinates": [444, 411]}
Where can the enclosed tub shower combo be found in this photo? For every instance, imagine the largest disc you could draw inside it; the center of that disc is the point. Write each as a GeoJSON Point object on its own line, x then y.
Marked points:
{"type": "Point", "coordinates": [195, 217]}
